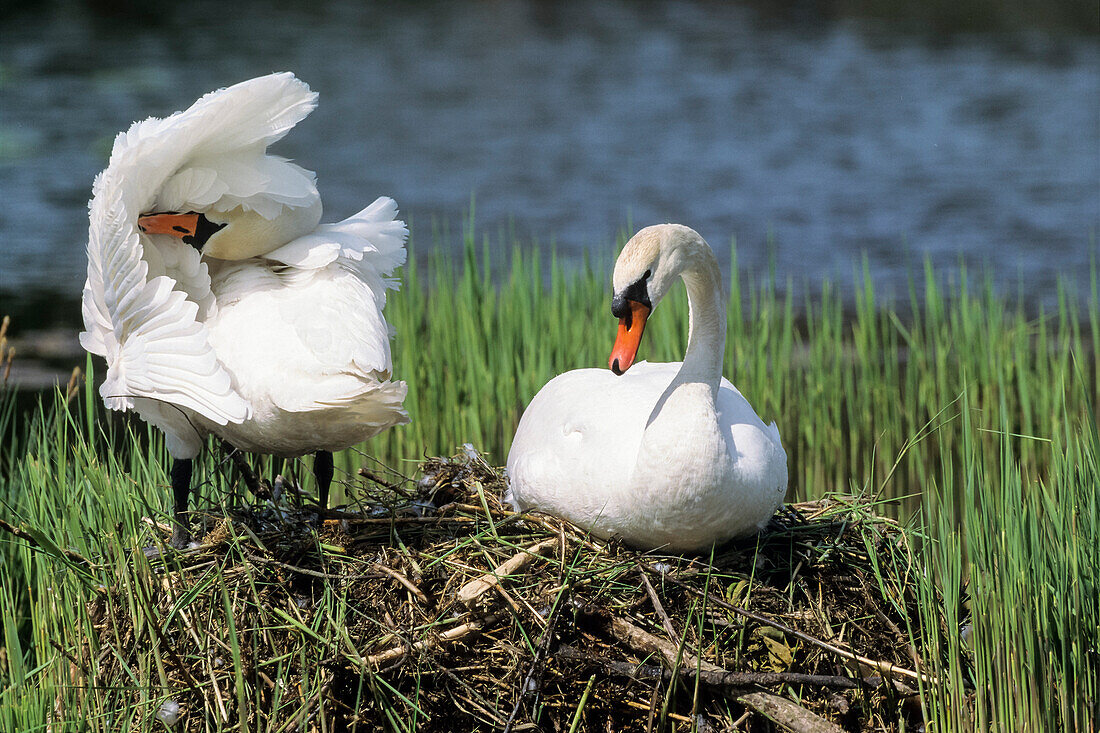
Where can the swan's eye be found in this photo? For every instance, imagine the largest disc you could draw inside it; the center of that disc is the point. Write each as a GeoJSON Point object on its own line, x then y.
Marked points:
{"type": "Point", "coordinates": [647, 274]}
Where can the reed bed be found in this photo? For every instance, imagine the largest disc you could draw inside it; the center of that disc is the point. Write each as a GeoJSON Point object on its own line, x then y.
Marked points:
{"type": "Point", "coordinates": [948, 447]}
{"type": "Point", "coordinates": [445, 611]}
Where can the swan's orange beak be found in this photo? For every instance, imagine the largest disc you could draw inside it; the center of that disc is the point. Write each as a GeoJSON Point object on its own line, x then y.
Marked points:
{"type": "Point", "coordinates": [178, 225]}
{"type": "Point", "coordinates": [629, 337]}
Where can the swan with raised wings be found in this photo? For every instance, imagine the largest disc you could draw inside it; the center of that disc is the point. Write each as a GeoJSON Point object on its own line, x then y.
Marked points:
{"type": "Point", "coordinates": [665, 455]}
{"type": "Point", "coordinates": [220, 303]}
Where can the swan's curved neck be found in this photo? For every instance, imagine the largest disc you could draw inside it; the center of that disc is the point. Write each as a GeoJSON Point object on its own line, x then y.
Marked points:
{"type": "Point", "coordinates": [686, 409]}
{"type": "Point", "coordinates": [707, 324]}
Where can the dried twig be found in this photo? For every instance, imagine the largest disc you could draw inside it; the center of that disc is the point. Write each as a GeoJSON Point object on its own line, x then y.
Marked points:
{"type": "Point", "coordinates": [715, 678]}
{"type": "Point", "coordinates": [532, 683]}
{"type": "Point", "coordinates": [477, 587]}
{"type": "Point", "coordinates": [313, 573]}
{"type": "Point", "coordinates": [658, 606]}
{"type": "Point", "coordinates": [643, 641]}
{"type": "Point", "coordinates": [787, 714]}
{"type": "Point", "coordinates": [450, 635]}
{"type": "Point", "coordinates": [400, 578]}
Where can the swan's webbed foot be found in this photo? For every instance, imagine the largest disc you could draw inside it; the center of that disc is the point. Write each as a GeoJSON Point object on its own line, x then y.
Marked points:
{"type": "Point", "coordinates": [181, 536]}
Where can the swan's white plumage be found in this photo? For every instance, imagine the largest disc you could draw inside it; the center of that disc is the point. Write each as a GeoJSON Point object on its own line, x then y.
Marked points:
{"type": "Point", "coordinates": [284, 353]}
{"type": "Point", "coordinates": [668, 455]}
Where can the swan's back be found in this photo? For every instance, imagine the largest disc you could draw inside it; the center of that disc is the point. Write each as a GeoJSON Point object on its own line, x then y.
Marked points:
{"type": "Point", "coordinates": [577, 454]}
{"type": "Point", "coordinates": [565, 449]}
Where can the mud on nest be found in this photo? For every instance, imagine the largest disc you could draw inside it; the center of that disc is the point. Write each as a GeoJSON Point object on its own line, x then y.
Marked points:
{"type": "Point", "coordinates": [441, 610]}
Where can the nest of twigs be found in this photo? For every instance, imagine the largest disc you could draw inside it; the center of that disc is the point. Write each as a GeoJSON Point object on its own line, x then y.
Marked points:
{"type": "Point", "coordinates": [445, 611]}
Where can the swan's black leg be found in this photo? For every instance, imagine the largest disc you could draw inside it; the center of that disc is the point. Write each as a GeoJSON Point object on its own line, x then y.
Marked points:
{"type": "Point", "coordinates": [323, 471]}
{"type": "Point", "coordinates": [181, 492]}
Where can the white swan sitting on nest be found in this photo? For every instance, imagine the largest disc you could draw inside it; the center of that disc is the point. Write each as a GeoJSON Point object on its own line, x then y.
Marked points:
{"type": "Point", "coordinates": [220, 304]}
{"type": "Point", "coordinates": [664, 456]}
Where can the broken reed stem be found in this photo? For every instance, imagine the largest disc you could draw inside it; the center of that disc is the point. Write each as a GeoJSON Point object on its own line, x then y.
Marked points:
{"type": "Point", "coordinates": [400, 578]}
{"type": "Point", "coordinates": [643, 641]}
{"type": "Point", "coordinates": [787, 714]}
{"type": "Point", "coordinates": [532, 683]}
{"type": "Point", "coordinates": [313, 573]}
{"type": "Point", "coordinates": [666, 622]}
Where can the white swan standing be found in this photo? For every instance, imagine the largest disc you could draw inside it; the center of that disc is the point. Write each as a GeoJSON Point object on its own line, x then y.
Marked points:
{"type": "Point", "coordinates": [219, 303]}
{"type": "Point", "coordinates": [664, 456]}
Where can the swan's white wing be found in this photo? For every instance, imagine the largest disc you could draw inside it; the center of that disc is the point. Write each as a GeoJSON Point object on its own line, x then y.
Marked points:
{"type": "Point", "coordinates": [578, 441]}
{"type": "Point", "coordinates": [146, 328]}
{"type": "Point", "coordinates": [226, 134]}
{"type": "Point", "coordinates": [136, 308]}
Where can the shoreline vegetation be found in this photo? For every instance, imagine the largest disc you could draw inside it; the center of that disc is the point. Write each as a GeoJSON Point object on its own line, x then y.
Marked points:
{"type": "Point", "coordinates": [943, 456]}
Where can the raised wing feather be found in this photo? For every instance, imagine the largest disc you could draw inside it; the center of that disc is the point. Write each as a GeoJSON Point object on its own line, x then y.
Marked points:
{"type": "Point", "coordinates": [147, 329]}
{"type": "Point", "coordinates": [142, 322]}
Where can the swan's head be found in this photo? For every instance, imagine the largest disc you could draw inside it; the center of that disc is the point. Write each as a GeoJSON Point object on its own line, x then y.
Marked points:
{"type": "Point", "coordinates": [236, 234]}
{"type": "Point", "coordinates": [647, 268]}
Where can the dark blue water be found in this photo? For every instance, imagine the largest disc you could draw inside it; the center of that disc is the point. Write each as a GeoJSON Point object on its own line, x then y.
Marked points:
{"type": "Point", "coordinates": [812, 142]}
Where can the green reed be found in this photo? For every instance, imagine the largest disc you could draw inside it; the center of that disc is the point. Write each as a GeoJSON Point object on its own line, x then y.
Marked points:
{"type": "Point", "coordinates": [856, 386]}
{"type": "Point", "coordinates": [975, 416]}
{"type": "Point", "coordinates": [1014, 552]}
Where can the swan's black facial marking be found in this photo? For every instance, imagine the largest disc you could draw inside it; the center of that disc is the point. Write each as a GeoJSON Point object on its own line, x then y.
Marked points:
{"type": "Point", "coordinates": [204, 229]}
{"type": "Point", "coordinates": [635, 291]}
{"type": "Point", "coordinates": [192, 227]}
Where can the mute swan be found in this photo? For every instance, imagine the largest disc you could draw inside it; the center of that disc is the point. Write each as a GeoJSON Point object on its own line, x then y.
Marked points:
{"type": "Point", "coordinates": [664, 455]}
{"type": "Point", "coordinates": [219, 303]}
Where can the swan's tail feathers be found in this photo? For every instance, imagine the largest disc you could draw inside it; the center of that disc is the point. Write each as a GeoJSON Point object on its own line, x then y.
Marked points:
{"type": "Point", "coordinates": [374, 406]}
{"type": "Point", "coordinates": [384, 409]}
{"type": "Point", "coordinates": [372, 240]}
{"type": "Point", "coordinates": [384, 233]}
{"type": "Point", "coordinates": [365, 396]}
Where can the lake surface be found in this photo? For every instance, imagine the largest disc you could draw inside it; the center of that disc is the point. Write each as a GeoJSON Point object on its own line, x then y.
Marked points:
{"type": "Point", "coordinates": [812, 141]}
